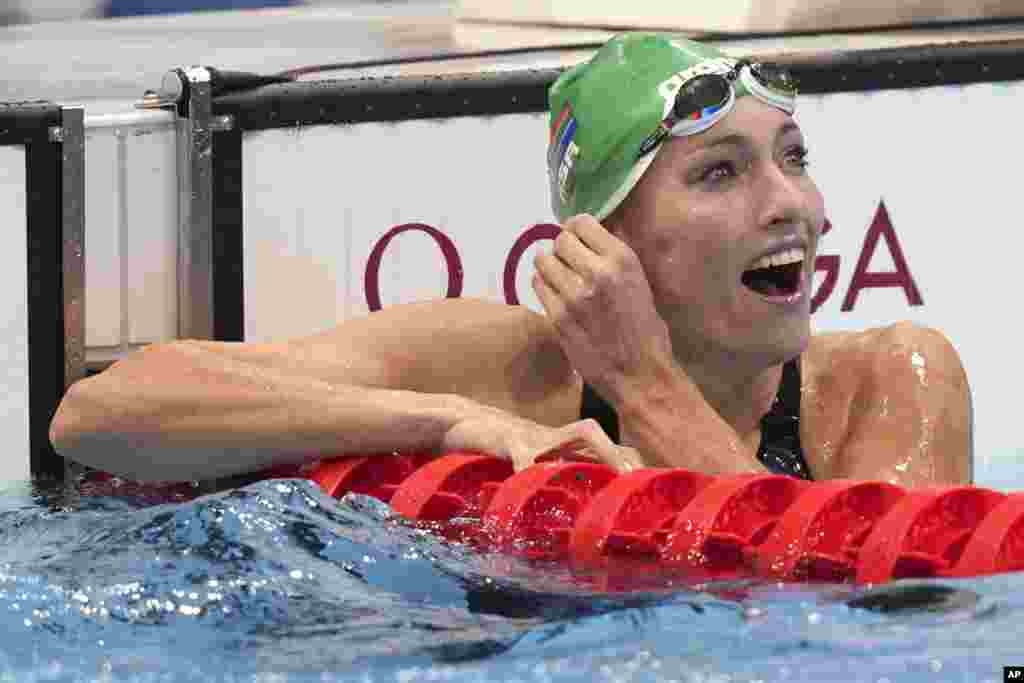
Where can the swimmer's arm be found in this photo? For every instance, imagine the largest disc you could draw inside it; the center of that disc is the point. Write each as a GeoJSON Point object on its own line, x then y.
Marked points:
{"type": "Point", "coordinates": [911, 418]}
{"type": "Point", "coordinates": [217, 416]}
{"type": "Point", "coordinates": [397, 379]}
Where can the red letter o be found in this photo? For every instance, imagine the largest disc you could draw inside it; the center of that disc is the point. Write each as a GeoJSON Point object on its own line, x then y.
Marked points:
{"type": "Point", "coordinates": [541, 231]}
{"type": "Point", "coordinates": [451, 258]}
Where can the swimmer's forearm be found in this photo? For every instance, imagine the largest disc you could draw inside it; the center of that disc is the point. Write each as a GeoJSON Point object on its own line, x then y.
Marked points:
{"type": "Point", "coordinates": [673, 426]}
{"type": "Point", "coordinates": [256, 437]}
{"type": "Point", "coordinates": [214, 416]}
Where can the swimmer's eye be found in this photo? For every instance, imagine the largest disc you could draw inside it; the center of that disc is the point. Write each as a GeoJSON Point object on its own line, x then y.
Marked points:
{"type": "Point", "coordinates": [797, 156]}
{"type": "Point", "coordinates": [718, 172]}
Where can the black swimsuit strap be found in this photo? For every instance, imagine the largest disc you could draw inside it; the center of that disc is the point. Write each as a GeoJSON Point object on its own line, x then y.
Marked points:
{"type": "Point", "coordinates": [780, 450]}
{"type": "Point", "coordinates": [596, 408]}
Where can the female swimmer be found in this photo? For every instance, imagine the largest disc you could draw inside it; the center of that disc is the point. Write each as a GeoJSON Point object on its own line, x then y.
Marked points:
{"type": "Point", "coordinates": [677, 330]}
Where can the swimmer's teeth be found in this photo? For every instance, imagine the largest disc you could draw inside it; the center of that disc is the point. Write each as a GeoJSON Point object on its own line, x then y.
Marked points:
{"type": "Point", "coordinates": [780, 259]}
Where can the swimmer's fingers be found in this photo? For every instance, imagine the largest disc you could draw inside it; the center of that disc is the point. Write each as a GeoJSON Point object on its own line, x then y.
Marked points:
{"type": "Point", "coordinates": [558, 277]}
{"type": "Point", "coordinates": [557, 301]}
{"type": "Point", "coordinates": [524, 442]}
{"type": "Point", "coordinates": [585, 440]}
{"type": "Point", "coordinates": [575, 451]}
{"type": "Point", "coordinates": [621, 458]}
{"type": "Point", "coordinates": [573, 269]}
{"type": "Point", "coordinates": [630, 459]}
{"type": "Point", "coordinates": [594, 236]}
{"type": "Point", "coordinates": [578, 257]}
{"type": "Point", "coordinates": [553, 303]}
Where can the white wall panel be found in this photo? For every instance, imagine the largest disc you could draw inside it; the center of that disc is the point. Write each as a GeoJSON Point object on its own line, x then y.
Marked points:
{"type": "Point", "coordinates": [14, 381]}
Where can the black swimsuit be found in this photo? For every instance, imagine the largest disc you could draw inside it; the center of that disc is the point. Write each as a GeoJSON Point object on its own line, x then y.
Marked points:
{"type": "Point", "coordinates": [780, 449]}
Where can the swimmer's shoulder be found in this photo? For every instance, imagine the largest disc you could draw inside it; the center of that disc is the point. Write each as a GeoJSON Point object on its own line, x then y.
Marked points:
{"type": "Point", "coordinates": [871, 354]}
{"type": "Point", "coordinates": [844, 374]}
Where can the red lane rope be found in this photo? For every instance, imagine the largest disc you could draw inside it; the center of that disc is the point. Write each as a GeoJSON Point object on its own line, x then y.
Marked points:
{"type": "Point", "coordinates": [766, 525]}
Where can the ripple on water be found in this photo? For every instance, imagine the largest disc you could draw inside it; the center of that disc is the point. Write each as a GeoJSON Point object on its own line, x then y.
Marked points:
{"type": "Point", "coordinates": [275, 579]}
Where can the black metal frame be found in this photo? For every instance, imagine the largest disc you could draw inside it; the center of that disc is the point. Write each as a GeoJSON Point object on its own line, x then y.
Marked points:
{"type": "Point", "coordinates": [32, 126]}
{"type": "Point", "coordinates": [305, 103]}
{"type": "Point", "coordinates": [228, 277]}
{"type": "Point", "coordinates": [910, 67]}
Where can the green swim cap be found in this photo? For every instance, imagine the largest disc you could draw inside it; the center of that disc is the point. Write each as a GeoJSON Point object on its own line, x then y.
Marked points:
{"type": "Point", "coordinates": [603, 110]}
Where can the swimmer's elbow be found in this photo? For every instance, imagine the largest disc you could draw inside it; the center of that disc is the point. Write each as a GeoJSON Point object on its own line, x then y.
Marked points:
{"type": "Point", "coordinates": [62, 427]}
{"type": "Point", "coordinates": [70, 424]}
{"type": "Point", "coordinates": [93, 427]}
{"type": "Point", "coordinates": [96, 408]}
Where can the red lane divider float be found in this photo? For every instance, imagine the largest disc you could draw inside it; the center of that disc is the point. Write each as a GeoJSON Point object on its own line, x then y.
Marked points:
{"type": "Point", "coordinates": [719, 531]}
{"type": "Point", "coordinates": [925, 533]}
{"type": "Point", "coordinates": [997, 544]}
{"type": "Point", "coordinates": [374, 476]}
{"type": "Point", "coordinates": [633, 515]}
{"type": "Point", "coordinates": [534, 512]}
{"type": "Point", "coordinates": [819, 536]}
{"type": "Point", "coordinates": [458, 485]}
{"type": "Point", "coordinates": [699, 525]}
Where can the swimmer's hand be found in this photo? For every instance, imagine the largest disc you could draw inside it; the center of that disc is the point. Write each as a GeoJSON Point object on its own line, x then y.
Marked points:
{"type": "Point", "coordinates": [599, 301]}
{"type": "Point", "coordinates": [524, 442]}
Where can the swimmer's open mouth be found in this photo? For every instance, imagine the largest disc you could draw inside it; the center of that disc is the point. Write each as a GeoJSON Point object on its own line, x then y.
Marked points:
{"type": "Point", "coordinates": [776, 274]}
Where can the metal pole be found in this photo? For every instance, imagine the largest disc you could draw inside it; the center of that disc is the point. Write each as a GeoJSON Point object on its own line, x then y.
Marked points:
{"type": "Point", "coordinates": [73, 219]}
{"type": "Point", "coordinates": [72, 138]}
{"type": "Point", "coordinates": [195, 186]}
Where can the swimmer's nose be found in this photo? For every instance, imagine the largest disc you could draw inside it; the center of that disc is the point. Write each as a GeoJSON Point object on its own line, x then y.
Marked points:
{"type": "Point", "coordinates": [782, 199]}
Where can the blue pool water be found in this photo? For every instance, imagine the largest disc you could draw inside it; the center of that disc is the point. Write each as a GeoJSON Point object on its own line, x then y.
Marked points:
{"type": "Point", "coordinates": [275, 582]}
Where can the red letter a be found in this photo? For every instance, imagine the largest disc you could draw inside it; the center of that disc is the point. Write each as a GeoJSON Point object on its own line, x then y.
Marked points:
{"type": "Point", "coordinates": [881, 226]}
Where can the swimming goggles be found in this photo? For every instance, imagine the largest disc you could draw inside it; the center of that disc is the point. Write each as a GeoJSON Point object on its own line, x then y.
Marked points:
{"type": "Point", "coordinates": [706, 98]}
